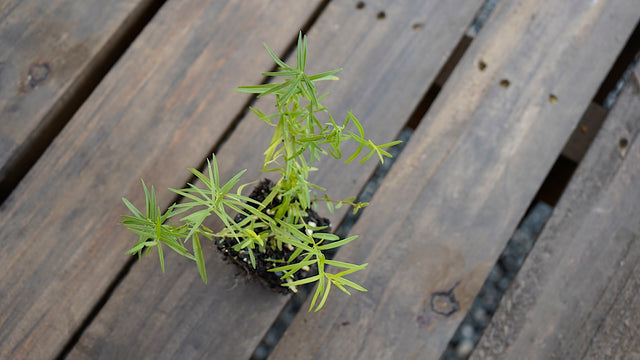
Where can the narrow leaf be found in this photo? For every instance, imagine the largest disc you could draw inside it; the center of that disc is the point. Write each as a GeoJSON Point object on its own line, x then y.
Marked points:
{"type": "Point", "coordinates": [328, 75]}
{"type": "Point", "coordinates": [132, 208]}
{"type": "Point", "coordinates": [336, 244]}
{"type": "Point", "coordinates": [303, 281]}
{"type": "Point", "coordinates": [197, 251]}
{"type": "Point", "coordinates": [159, 247]}
{"type": "Point", "coordinates": [275, 58]}
{"type": "Point", "coordinates": [281, 73]}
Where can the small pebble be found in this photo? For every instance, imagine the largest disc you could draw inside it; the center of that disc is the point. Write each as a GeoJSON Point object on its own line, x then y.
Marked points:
{"type": "Point", "coordinates": [495, 275]}
{"type": "Point", "coordinates": [504, 283]}
{"type": "Point", "coordinates": [271, 338]}
{"type": "Point", "coordinates": [465, 348]}
{"type": "Point", "coordinates": [261, 352]}
{"type": "Point", "coordinates": [467, 332]}
{"type": "Point", "coordinates": [480, 318]}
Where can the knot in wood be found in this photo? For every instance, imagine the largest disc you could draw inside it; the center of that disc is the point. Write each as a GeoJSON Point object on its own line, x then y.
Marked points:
{"type": "Point", "coordinates": [445, 302]}
{"type": "Point", "coordinates": [38, 73]}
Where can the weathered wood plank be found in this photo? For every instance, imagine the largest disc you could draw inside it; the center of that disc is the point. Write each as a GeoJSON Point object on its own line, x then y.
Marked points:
{"type": "Point", "coordinates": [388, 67]}
{"type": "Point", "coordinates": [157, 112]}
{"type": "Point", "coordinates": [50, 49]}
{"type": "Point", "coordinates": [619, 337]}
{"type": "Point", "coordinates": [456, 193]}
{"type": "Point", "coordinates": [582, 272]}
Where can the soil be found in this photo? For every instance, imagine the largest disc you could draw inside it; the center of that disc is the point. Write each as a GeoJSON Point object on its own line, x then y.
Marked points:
{"type": "Point", "coordinates": [242, 259]}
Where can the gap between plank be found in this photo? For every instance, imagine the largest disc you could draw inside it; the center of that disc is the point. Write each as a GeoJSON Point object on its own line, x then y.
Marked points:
{"type": "Point", "coordinates": [611, 86]}
{"type": "Point", "coordinates": [65, 108]}
{"type": "Point", "coordinates": [126, 269]}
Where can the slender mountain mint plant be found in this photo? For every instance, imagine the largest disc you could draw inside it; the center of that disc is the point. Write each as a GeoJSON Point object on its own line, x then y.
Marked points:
{"type": "Point", "coordinates": [281, 220]}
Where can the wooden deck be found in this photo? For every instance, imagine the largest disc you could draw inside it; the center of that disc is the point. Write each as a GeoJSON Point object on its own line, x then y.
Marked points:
{"type": "Point", "coordinates": [95, 95]}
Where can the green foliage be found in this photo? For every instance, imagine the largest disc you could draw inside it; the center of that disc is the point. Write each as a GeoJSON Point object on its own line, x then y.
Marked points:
{"type": "Point", "coordinates": [299, 140]}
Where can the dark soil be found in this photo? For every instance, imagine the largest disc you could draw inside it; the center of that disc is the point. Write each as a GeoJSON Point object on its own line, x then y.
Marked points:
{"type": "Point", "coordinates": [263, 264]}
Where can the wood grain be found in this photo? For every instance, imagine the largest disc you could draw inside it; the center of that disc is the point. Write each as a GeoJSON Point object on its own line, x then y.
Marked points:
{"type": "Point", "coordinates": [387, 67]}
{"type": "Point", "coordinates": [575, 292]}
{"type": "Point", "coordinates": [51, 49]}
{"type": "Point", "coordinates": [153, 116]}
{"type": "Point", "coordinates": [618, 336]}
{"type": "Point", "coordinates": [444, 214]}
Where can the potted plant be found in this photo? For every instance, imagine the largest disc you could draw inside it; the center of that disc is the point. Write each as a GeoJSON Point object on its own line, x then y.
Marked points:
{"type": "Point", "coordinates": [275, 231]}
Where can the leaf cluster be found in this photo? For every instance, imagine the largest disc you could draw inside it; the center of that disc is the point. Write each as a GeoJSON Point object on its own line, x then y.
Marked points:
{"type": "Point", "coordinates": [299, 140]}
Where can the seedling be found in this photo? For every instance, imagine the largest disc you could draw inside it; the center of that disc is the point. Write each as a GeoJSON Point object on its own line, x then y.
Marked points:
{"type": "Point", "coordinates": [275, 229]}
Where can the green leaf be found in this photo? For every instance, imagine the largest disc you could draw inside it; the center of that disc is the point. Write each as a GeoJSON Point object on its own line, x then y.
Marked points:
{"type": "Point", "coordinates": [195, 220]}
{"type": "Point", "coordinates": [254, 89]}
{"type": "Point", "coordinates": [319, 290]}
{"type": "Point", "coordinates": [324, 296]}
{"type": "Point", "coordinates": [301, 52]}
{"type": "Point", "coordinates": [214, 164]}
{"type": "Point", "coordinates": [311, 90]}
{"type": "Point", "coordinates": [389, 144]}
{"type": "Point", "coordinates": [367, 157]}
{"type": "Point", "coordinates": [296, 266]}
{"type": "Point", "coordinates": [303, 281]}
{"type": "Point", "coordinates": [150, 200]}
{"type": "Point", "coordinates": [292, 90]}
{"type": "Point", "coordinates": [276, 88]}
{"type": "Point", "coordinates": [325, 236]}
{"type": "Point", "coordinates": [350, 271]}
{"type": "Point", "coordinates": [202, 177]}
{"type": "Point", "coordinates": [295, 254]}
{"type": "Point", "coordinates": [355, 154]}
{"type": "Point", "coordinates": [197, 201]}
{"type": "Point", "coordinates": [281, 73]}
{"type": "Point", "coordinates": [232, 182]}
{"type": "Point", "coordinates": [342, 288]}
{"type": "Point", "coordinates": [197, 251]}
{"type": "Point", "coordinates": [159, 247]}
{"type": "Point", "coordinates": [177, 247]}
{"type": "Point", "coordinates": [141, 232]}
{"type": "Point", "coordinates": [343, 264]}
{"type": "Point", "coordinates": [351, 284]}
{"type": "Point", "coordinates": [276, 59]}
{"type": "Point", "coordinates": [137, 248]}
{"type": "Point", "coordinates": [252, 258]}
{"type": "Point", "coordinates": [327, 75]}
{"type": "Point", "coordinates": [355, 121]}
{"type": "Point", "coordinates": [336, 244]}
{"type": "Point", "coordinates": [132, 208]}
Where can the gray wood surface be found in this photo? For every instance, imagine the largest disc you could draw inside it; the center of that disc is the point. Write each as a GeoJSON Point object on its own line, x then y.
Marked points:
{"type": "Point", "coordinates": [442, 217]}
{"type": "Point", "coordinates": [618, 338]}
{"type": "Point", "coordinates": [388, 66]}
{"type": "Point", "coordinates": [577, 292]}
{"type": "Point", "coordinates": [154, 115]}
{"type": "Point", "coordinates": [432, 233]}
{"type": "Point", "coordinates": [50, 49]}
